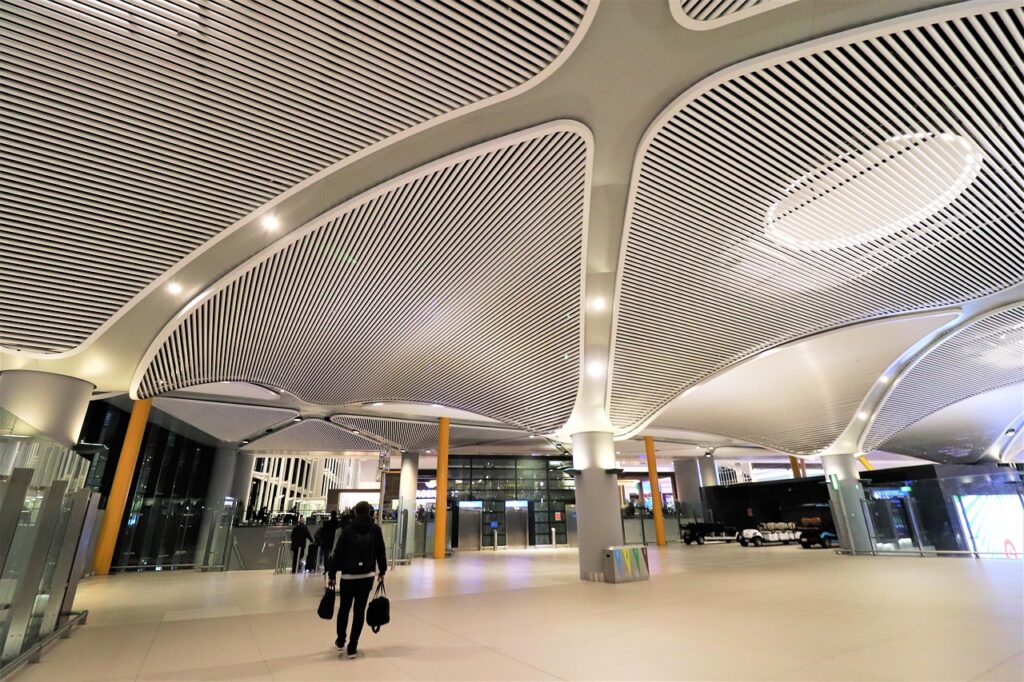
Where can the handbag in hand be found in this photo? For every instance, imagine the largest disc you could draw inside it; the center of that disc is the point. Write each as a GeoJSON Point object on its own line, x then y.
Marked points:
{"type": "Point", "coordinates": [326, 608]}
{"type": "Point", "coordinates": [378, 611]}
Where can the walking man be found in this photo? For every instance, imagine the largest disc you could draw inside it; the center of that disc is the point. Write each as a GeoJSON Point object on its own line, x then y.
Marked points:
{"type": "Point", "coordinates": [300, 536]}
{"type": "Point", "coordinates": [358, 551]}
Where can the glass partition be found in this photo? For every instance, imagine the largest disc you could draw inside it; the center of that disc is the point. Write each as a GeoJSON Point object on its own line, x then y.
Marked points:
{"type": "Point", "coordinates": [43, 511]}
{"type": "Point", "coordinates": [980, 515]}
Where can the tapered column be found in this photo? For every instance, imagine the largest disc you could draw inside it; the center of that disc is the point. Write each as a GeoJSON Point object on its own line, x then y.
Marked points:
{"type": "Point", "coordinates": [598, 513]}
{"type": "Point", "coordinates": [847, 495]}
{"type": "Point", "coordinates": [652, 472]}
{"type": "Point", "coordinates": [241, 483]}
{"type": "Point", "coordinates": [441, 504]}
{"type": "Point", "coordinates": [52, 404]}
{"type": "Point", "coordinates": [107, 540]}
{"type": "Point", "coordinates": [219, 487]}
{"type": "Point", "coordinates": [708, 471]}
{"type": "Point", "coordinates": [407, 496]}
{"type": "Point", "coordinates": [688, 486]}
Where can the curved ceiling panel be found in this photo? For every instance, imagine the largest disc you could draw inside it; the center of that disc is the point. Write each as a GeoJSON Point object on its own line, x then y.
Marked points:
{"type": "Point", "coordinates": [980, 357]}
{"type": "Point", "coordinates": [701, 15]}
{"type": "Point", "coordinates": [874, 174]}
{"type": "Point", "coordinates": [224, 421]}
{"type": "Point", "coordinates": [312, 435]}
{"type": "Point", "coordinates": [136, 131]}
{"type": "Point", "coordinates": [418, 435]}
{"type": "Point", "coordinates": [799, 398]}
{"type": "Point", "coordinates": [458, 285]}
{"type": "Point", "coordinates": [963, 431]}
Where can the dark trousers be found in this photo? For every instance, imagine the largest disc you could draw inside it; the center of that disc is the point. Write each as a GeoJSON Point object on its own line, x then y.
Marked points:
{"type": "Point", "coordinates": [350, 591]}
{"type": "Point", "coordinates": [297, 551]}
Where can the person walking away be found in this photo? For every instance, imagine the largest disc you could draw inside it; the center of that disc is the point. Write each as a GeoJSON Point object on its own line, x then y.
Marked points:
{"type": "Point", "coordinates": [326, 537]}
{"type": "Point", "coordinates": [300, 536]}
{"type": "Point", "coordinates": [358, 551]}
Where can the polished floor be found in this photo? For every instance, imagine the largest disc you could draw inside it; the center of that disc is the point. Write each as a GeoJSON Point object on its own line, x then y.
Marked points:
{"type": "Point", "coordinates": [709, 613]}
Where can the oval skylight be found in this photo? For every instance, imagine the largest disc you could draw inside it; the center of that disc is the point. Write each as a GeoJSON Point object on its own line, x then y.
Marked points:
{"type": "Point", "coordinates": [873, 193]}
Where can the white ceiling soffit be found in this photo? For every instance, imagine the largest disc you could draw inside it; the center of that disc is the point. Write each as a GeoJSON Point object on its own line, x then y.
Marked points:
{"type": "Point", "coordinates": [136, 131]}
{"type": "Point", "coordinates": [232, 389]}
{"type": "Point", "coordinates": [981, 357]}
{"type": "Point", "coordinates": [417, 435]}
{"type": "Point", "coordinates": [312, 435]}
{"type": "Point", "coordinates": [459, 284]}
{"type": "Point", "coordinates": [224, 421]}
{"type": "Point", "coordinates": [963, 431]}
{"type": "Point", "coordinates": [874, 173]}
{"type": "Point", "coordinates": [799, 398]}
{"type": "Point", "coordinates": [701, 15]}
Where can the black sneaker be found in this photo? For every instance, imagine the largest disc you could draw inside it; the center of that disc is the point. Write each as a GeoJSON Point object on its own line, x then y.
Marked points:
{"type": "Point", "coordinates": [352, 653]}
{"type": "Point", "coordinates": [340, 643]}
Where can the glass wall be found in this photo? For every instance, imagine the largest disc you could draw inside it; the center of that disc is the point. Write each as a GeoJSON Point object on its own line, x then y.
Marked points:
{"type": "Point", "coordinates": [541, 481]}
{"type": "Point", "coordinates": [43, 510]}
{"type": "Point", "coordinates": [978, 515]}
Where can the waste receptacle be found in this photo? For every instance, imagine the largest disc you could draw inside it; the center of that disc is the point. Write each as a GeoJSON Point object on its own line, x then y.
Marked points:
{"type": "Point", "coordinates": [625, 564]}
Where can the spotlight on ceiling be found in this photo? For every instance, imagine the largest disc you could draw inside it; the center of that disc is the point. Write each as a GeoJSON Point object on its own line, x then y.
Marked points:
{"type": "Point", "coordinates": [598, 303]}
{"type": "Point", "coordinates": [173, 288]}
{"type": "Point", "coordinates": [270, 222]}
{"type": "Point", "coordinates": [595, 369]}
{"type": "Point", "coordinates": [297, 419]}
{"type": "Point", "coordinates": [245, 442]}
{"type": "Point", "coordinates": [862, 415]}
{"type": "Point", "coordinates": [1010, 432]}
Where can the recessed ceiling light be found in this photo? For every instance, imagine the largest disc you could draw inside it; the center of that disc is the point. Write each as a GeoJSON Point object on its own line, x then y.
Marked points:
{"type": "Point", "coordinates": [595, 369]}
{"type": "Point", "coordinates": [355, 432]}
{"type": "Point", "coordinates": [436, 405]}
{"type": "Point", "coordinates": [377, 404]}
{"type": "Point", "coordinates": [532, 436]}
{"type": "Point", "coordinates": [1010, 432]}
{"type": "Point", "coordinates": [598, 303]}
{"type": "Point", "coordinates": [297, 419]}
{"type": "Point", "coordinates": [884, 379]}
{"type": "Point", "coordinates": [174, 288]}
{"type": "Point", "coordinates": [862, 415]}
{"type": "Point", "coordinates": [270, 222]}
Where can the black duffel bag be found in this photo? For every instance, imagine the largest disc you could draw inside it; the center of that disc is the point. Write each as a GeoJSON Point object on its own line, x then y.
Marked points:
{"type": "Point", "coordinates": [326, 608]}
{"type": "Point", "coordinates": [378, 611]}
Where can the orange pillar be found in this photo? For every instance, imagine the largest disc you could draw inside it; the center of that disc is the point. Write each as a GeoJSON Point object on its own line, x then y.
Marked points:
{"type": "Point", "coordinates": [107, 539]}
{"type": "Point", "coordinates": [440, 504]}
{"type": "Point", "coordinates": [794, 464]}
{"type": "Point", "coordinates": [865, 462]}
{"type": "Point", "coordinates": [652, 472]}
{"type": "Point", "coordinates": [803, 468]}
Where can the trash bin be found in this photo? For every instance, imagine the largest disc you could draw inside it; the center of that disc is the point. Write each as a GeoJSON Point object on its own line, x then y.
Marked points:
{"type": "Point", "coordinates": [625, 564]}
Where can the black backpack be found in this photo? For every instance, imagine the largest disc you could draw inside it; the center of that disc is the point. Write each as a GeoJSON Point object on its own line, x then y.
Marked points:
{"type": "Point", "coordinates": [359, 555]}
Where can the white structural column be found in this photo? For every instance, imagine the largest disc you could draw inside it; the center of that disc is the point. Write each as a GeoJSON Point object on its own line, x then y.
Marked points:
{"type": "Point", "coordinates": [598, 513]}
{"type": "Point", "coordinates": [708, 471]}
{"type": "Point", "coordinates": [221, 477]}
{"type": "Point", "coordinates": [847, 495]}
{"type": "Point", "coordinates": [407, 496]}
{"type": "Point", "coordinates": [241, 484]}
{"type": "Point", "coordinates": [53, 404]}
{"type": "Point", "coordinates": [687, 471]}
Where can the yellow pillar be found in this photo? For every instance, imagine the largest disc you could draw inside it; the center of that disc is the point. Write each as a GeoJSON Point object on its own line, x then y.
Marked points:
{"type": "Point", "coordinates": [865, 462]}
{"type": "Point", "coordinates": [652, 472]}
{"type": "Point", "coordinates": [107, 539]}
{"type": "Point", "coordinates": [440, 504]}
{"type": "Point", "coordinates": [794, 464]}
{"type": "Point", "coordinates": [803, 468]}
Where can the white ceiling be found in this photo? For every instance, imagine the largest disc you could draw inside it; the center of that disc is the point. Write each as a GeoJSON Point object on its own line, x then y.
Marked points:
{"type": "Point", "coordinates": [800, 397]}
{"type": "Point", "coordinates": [439, 240]}
{"type": "Point", "coordinates": [703, 285]}
{"type": "Point", "coordinates": [313, 435]}
{"type": "Point", "coordinates": [228, 422]}
{"type": "Point", "coordinates": [398, 290]}
{"type": "Point", "coordinates": [140, 130]}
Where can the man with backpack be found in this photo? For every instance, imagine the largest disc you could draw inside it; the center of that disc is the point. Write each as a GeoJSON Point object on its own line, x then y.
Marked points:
{"type": "Point", "coordinates": [358, 551]}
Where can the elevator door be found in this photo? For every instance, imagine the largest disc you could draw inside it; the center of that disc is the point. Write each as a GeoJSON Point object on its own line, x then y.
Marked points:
{"type": "Point", "coordinates": [517, 524]}
{"type": "Point", "coordinates": [470, 519]}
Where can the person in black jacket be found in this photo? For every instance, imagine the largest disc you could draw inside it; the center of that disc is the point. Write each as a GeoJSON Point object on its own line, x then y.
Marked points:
{"type": "Point", "coordinates": [358, 550]}
{"type": "Point", "coordinates": [300, 536]}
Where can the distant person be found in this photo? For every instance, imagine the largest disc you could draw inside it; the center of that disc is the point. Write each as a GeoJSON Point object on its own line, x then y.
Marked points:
{"type": "Point", "coordinates": [300, 536]}
{"type": "Point", "coordinates": [359, 549]}
{"type": "Point", "coordinates": [326, 535]}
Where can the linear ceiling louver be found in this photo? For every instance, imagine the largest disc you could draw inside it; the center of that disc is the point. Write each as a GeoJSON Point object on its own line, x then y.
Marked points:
{"type": "Point", "coordinates": [459, 286]}
{"type": "Point", "coordinates": [706, 14]}
{"type": "Point", "coordinates": [312, 435]}
{"type": "Point", "coordinates": [135, 131]}
{"type": "Point", "coordinates": [420, 435]}
{"type": "Point", "coordinates": [739, 231]}
{"type": "Point", "coordinates": [980, 357]}
{"type": "Point", "coordinates": [224, 421]}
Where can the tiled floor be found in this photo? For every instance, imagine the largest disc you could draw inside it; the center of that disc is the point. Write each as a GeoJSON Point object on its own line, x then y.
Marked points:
{"type": "Point", "coordinates": [709, 613]}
